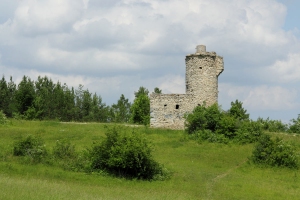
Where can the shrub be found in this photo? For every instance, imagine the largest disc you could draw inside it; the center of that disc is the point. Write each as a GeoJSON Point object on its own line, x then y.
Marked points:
{"type": "Point", "coordinates": [196, 120]}
{"type": "Point", "coordinates": [3, 119]}
{"type": "Point", "coordinates": [208, 135]}
{"type": "Point", "coordinates": [63, 149]}
{"type": "Point", "coordinates": [274, 153]}
{"type": "Point", "coordinates": [272, 125]}
{"type": "Point", "coordinates": [32, 147]}
{"type": "Point", "coordinates": [227, 126]}
{"type": "Point", "coordinates": [203, 118]}
{"type": "Point", "coordinates": [213, 124]}
{"type": "Point", "coordinates": [213, 116]}
{"type": "Point", "coordinates": [125, 154]}
{"type": "Point", "coordinates": [248, 132]}
{"type": "Point", "coordinates": [295, 126]}
{"type": "Point", "coordinates": [64, 155]}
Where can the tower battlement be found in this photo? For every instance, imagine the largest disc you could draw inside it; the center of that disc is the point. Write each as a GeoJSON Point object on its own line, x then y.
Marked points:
{"type": "Point", "coordinates": [202, 71]}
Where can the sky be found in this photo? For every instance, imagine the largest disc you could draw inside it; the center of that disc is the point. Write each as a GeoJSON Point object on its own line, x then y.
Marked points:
{"type": "Point", "coordinates": [113, 47]}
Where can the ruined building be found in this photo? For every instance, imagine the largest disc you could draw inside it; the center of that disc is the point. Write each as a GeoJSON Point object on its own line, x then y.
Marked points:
{"type": "Point", "coordinates": [202, 71]}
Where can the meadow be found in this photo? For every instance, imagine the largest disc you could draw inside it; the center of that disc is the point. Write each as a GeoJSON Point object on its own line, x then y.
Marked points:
{"type": "Point", "coordinates": [199, 170]}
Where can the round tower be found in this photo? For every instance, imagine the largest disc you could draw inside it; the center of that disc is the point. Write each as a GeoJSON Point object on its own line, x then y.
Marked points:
{"type": "Point", "coordinates": [202, 71]}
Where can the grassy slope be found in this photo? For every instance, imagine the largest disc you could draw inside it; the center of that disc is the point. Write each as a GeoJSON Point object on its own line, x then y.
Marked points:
{"type": "Point", "coordinates": [201, 171]}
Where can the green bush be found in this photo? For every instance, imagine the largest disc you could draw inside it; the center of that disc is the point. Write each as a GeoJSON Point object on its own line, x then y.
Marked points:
{"type": "Point", "coordinates": [63, 149]}
{"type": "Point", "coordinates": [295, 126]}
{"type": "Point", "coordinates": [214, 125]}
{"type": "Point", "coordinates": [274, 153]}
{"type": "Point", "coordinates": [227, 126]}
{"type": "Point", "coordinates": [126, 155]}
{"type": "Point", "coordinates": [3, 119]}
{"type": "Point", "coordinates": [208, 135]}
{"type": "Point", "coordinates": [213, 116]}
{"type": "Point", "coordinates": [65, 156]}
{"type": "Point", "coordinates": [272, 125]}
{"type": "Point", "coordinates": [203, 118]}
{"type": "Point", "coordinates": [248, 132]}
{"type": "Point", "coordinates": [31, 147]}
{"type": "Point", "coordinates": [196, 120]}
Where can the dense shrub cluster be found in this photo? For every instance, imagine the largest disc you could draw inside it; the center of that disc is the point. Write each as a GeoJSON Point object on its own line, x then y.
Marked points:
{"type": "Point", "coordinates": [32, 147]}
{"type": "Point", "coordinates": [122, 154]}
{"type": "Point", "coordinates": [212, 124]}
{"type": "Point", "coordinates": [125, 154]}
{"type": "Point", "coordinates": [63, 149]}
{"type": "Point", "coordinates": [295, 126]}
{"type": "Point", "coordinates": [65, 155]}
{"type": "Point", "coordinates": [273, 125]}
{"type": "Point", "coordinates": [3, 119]}
{"type": "Point", "coordinates": [274, 153]}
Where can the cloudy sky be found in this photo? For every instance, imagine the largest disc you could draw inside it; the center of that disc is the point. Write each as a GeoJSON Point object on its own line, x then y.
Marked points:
{"type": "Point", "coordinates": [113, 47]}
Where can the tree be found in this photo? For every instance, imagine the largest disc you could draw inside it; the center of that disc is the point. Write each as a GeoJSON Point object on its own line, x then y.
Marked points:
{"type": "Point", "coordinates": [99, 112]}
{"type": "Point", "coordinates": [83, 104]}
{"type": "Point", "coordinates": [12, 107]}
{"type": "Point", "coordinates": [237, 111]}
{"type": "Point", "coordinates": [120, 112]}
{"type": "Point", "coordinates": [25, 95]}
{"type": "Point", "coordinates": [157, 90]}
{"type": "Point", "coordinates": [69, 104]}
{"type": "Point", "coordinates": [7, 101]}
{"type": "Point", "coordinates": [44, 99]}
{"type": "Point", "coordinates": [4, 97]}
{"type": "Point", "coordinates": [142, 91]}
{"type": "Point", "coordinates": [140, 110]}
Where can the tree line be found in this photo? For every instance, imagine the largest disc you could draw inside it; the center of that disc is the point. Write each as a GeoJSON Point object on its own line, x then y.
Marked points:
{"type": "Point", "coordinates": [43, 99]}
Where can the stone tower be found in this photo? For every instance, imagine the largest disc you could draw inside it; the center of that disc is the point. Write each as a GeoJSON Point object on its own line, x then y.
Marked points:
{"type": "Point", "coordinates": [202, 71]}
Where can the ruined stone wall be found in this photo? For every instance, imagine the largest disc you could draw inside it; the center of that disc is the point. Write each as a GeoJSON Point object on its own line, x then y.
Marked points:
{"type": "Point", "coordinates": [168, 110]}
{"type": "Point", "coordinates": [202, 71]}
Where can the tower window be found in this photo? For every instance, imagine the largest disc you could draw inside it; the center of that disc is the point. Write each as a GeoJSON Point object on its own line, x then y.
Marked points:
{"type": "Point", "coordinates": [177, 106]}
{"type": "Point", "coordinates": [165, 105]}
{"type": "Point", "coordinates": [200, 67]}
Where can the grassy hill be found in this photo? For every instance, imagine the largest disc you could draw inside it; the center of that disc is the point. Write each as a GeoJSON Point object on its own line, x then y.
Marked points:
{"type": "Point", "coordinates": [200, 171]}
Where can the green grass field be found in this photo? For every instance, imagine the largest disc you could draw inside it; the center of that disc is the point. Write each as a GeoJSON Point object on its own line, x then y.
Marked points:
{"type": "Point", "coordinates": [200, 171]}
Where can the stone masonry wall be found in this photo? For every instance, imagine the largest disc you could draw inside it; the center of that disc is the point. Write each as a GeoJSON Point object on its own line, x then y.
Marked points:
{"type": "Point", "coordinates": [202, 71]}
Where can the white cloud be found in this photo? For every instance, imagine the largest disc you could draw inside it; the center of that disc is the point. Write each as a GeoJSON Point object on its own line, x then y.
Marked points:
{"type": "Point", "coordinates": [287, 70]}
{"type": "Point", "coordinates": [262, 98]}
{"type": "Point", "coordinates": [91, 60]}
{"type": "Point", "coordinates": [115, 46]}
{"type": "Point", "coordinates": [150, 27]}
{"type": "Point", "coordinates": [171, 84]}
{"type": "Point", "coordinates": [271, 98]}
{"type": "Point", "coordinates": [35, 17]}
